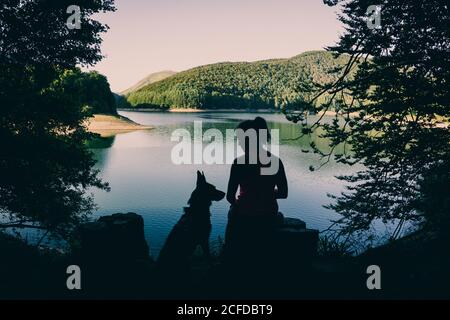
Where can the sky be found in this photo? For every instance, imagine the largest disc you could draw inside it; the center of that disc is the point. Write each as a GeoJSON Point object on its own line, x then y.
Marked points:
{"type": "Point", "coordinates": [148, 36]}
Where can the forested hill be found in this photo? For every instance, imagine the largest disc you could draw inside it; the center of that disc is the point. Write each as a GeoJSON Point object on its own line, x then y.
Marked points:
{"type": "Point", "coordinates": [264, 84]}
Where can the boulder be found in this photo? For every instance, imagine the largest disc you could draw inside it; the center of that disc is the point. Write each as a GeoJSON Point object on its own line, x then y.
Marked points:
{"type": "Point", "coordinates": [118, 237]}
{"type": "Point", "coordinates": [295, 241]}
{"type": "Point", "coordinates": [293, 223]}
{"type": "Point", "coordinates": [289, 245]}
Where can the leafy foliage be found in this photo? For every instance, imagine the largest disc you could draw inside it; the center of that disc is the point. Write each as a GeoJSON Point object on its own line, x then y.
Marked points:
{"type": "Point", "coordinates": [121, 102]}
{"type": "Point", "coordinates": [393, 112]}
{"type": "Point", "coordinates": [91, 89]}
{"type": "Point", "coordinates": [45, 167]}
{"type": "Point", "coordinates": [330, 247]}
{"type": "Point", "coordinates": [277, 84]}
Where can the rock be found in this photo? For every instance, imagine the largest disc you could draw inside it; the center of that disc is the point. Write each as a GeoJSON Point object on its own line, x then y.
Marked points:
{"type": "Point", "coordinates": [119, 237]}
{"type": "Point", "coordinates": [295, 241]}
{"type": "Point", "coordinates": [293, 223]}
{"type": "Point", "coordinates": [290, 245]}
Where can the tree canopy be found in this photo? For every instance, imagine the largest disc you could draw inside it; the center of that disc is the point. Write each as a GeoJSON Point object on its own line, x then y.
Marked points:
{"type": "Point", "coordinates": [91, 89]}
{"type": "Point", "coordinates": [45, 167]}
{"type": "Point", "coordinates": [394, 114]}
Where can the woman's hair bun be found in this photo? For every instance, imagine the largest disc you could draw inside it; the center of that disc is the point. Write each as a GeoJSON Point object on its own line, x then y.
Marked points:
{"type": "Point", "coordinates": [261, 124]}
{"type": "Point", "coordinates": [257, 124]}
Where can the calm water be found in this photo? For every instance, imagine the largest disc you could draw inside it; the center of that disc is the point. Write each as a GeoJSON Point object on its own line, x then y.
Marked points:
{"type": "Point", "coordinates": [144, 180]}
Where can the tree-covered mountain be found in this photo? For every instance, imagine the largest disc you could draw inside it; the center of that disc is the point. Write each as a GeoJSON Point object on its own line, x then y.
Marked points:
{"type": "Point", "coordinates": [276, 84]}
{"type": "Point", "coordinates": [151, 78]}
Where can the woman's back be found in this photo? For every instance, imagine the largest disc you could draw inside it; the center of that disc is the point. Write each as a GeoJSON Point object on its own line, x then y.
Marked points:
{"type": "Point", "coordinates": [258, 193]}
{"type": "Point", "coordinates": [254, 209]}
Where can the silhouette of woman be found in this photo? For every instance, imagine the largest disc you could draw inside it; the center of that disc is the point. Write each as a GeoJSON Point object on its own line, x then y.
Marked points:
{"type": "Point", "coordinates": [254, 211]}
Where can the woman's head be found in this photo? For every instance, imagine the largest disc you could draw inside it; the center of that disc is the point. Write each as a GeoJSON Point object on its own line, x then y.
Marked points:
{"type": "Point", "coordinates": [256, 130]}
{"type": "Point", "coordinates": [261, 124]}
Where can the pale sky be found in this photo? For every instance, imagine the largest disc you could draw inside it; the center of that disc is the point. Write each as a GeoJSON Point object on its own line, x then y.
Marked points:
{"type": "Point", "coordinates": [148, 36]}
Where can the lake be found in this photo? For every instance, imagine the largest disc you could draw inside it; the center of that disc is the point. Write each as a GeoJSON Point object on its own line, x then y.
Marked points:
{"type": "Point", "coordinates": [144, 179]}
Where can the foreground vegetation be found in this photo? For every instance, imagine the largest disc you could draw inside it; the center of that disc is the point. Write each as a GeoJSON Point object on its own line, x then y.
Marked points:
{"type": "Point", "coordinates": [399, 93]}
{"type": "Point", "coordinates": [46, 167]}
{"type": "Point", "coordinates": [414, 267]}
{"type": "Point", "coordinates": [89, 89]}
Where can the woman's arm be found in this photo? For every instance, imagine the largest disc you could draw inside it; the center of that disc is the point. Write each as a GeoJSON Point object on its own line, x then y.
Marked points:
{"type": "Point", "coordinates": [233, 185]}
{"type": "Point", "coordinates": [281, 192]}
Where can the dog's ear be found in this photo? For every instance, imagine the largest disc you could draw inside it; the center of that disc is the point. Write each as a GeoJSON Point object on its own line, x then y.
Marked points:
{"type": "Point", "coordinates": [200, 178]}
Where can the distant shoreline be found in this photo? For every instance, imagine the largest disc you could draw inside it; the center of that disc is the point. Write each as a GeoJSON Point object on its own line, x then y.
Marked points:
{"type": "Point", "coordinates": [192, 110]}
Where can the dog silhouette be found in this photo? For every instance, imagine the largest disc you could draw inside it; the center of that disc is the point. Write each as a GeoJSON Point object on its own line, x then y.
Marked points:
{"type": "Point", "coordinates": [193, 228]}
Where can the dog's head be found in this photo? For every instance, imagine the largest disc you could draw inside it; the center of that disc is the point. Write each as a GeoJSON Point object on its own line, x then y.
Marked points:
{"type": "Point", "coordinates": [205, 192]}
